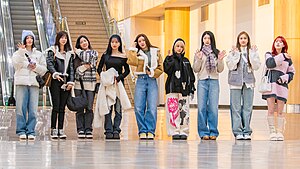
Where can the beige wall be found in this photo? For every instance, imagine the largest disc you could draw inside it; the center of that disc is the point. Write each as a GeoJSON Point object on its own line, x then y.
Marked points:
{"type": "Point", "coordinates": [153, 28]}
{"type": "Point", "coordinates": [122, 9]}
{"type": "Point", "coordinates": [225, 21]}
{"type": "Point", "coordinates": [287, 23]}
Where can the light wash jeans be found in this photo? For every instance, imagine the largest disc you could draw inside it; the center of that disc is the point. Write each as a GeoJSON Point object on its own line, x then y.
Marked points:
{"type": "Point", "coordinates": [241, 103]}
{"type": "Point", "coordinates": [145, 103]}
{"type": "Point", "coordinates": [208, 101]}
{"type": "Point", "coordinates": [27, 98]}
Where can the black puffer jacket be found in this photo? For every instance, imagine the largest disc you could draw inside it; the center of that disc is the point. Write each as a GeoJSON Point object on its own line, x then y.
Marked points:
{"type": "Point", "coordinates": [57, 66]}
{"type": "Point", "coordinates": [179, 72]}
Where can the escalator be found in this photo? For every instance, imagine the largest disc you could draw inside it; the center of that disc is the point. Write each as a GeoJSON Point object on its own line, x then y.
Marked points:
{"type": "Point", "coordinates": [23, 17]}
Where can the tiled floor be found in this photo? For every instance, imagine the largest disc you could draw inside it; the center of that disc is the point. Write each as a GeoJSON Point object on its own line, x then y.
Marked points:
{"type": "Point", "coordinates": [162, 152]}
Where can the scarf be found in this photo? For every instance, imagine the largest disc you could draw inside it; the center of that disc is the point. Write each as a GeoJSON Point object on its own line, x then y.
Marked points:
{"type": "Point", "coordinates": [210, 59]}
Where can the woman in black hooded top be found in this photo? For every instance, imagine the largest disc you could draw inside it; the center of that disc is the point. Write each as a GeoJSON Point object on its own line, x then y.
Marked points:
{"type": "Point", "coordinates": [179, 85]}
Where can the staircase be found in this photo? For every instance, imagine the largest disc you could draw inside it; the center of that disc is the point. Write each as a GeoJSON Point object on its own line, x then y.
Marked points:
{"type": "Point", "coordinates": [85, 18]}
{"type": "Point", "coordinates": [23, 18]}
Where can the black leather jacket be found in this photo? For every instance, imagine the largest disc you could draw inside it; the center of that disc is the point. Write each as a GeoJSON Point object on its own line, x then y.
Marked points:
{"type": "Point", "coordinates": [57, 65]}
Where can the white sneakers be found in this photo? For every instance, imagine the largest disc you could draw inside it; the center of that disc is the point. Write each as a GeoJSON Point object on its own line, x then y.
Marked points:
{"type": "Point", "coordinates": [243, 137]}
{"type": "Point", "coordinates": [239, 137]}
{"type": "Point", "coordinates": [23, 137]}
{"type": "Point", "coordinates": [273, 136]}
{"type": "Point", "coordinates": [247, 137]}
{"type": "Point", "coordinates": [31, 137]}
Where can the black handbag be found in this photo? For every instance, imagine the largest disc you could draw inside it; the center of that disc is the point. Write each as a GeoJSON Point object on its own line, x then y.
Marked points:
{"type": "Point", "coordinates": [79, 102]}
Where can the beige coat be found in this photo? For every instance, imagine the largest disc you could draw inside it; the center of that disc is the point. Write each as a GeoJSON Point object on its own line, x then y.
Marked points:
{"type": "Point", "coordinates": [141, 61]}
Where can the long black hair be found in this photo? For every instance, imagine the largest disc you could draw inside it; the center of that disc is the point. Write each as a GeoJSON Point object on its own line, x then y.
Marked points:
{"type": "Point", "coordinates": [109, 48]}
{"type": "Point", "coordinates": [24, 41]}
{"type": "Point", "coordinates": [78, 42]}
{"type": "Point", "coordinates": [67, 46]}
{"type": "Point", "coordinates": [148, 44]}
{"type": "Point", "coordinates": [212, 42]}
{"type": "Point", "coordinates": [173, 49]}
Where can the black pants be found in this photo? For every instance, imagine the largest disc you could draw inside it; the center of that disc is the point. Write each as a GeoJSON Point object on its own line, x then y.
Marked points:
{"type": "Point", "coordinates": [114, 128]}
{"type": "Point", "coordinates": [59, 101]}
{"type": "Point", "coordinates": [84, 120]}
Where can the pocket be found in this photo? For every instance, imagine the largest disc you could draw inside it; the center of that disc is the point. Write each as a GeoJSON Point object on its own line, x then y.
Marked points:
{"type": "Point", "coordinates": [233, 76]}
{"type": "Point", "coordinates": [249, 76]}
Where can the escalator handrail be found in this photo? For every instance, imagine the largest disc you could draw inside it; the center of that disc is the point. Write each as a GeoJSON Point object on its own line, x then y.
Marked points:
{"type": "Point", "coordinates": [7, 71]}
{"type": "Point", "coordinates": [40, 25]}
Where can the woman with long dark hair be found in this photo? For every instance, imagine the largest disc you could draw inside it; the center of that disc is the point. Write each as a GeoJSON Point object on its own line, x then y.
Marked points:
{"type": "Point", "coordinates": [208, 63]}
{"type": "Point", "coordinates": [60, 64]}
{"type": "Point", "coordinates": [86, 70]}
{"type": "Point", "coordinates": [114, 57]}
{"type": "Point", "coordinates": [28, 63]}
{"type": "Point", "coordinates": [242, 60]}
{"type": "Point", "coordinates": [148, 62]}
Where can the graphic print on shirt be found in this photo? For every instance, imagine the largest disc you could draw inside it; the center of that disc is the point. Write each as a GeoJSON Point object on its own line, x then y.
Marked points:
{"type": "Point", "coordinates": [172, 104]}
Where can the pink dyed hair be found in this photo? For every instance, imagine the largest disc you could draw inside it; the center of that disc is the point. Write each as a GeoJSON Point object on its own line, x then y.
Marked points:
{"type": "Point", "coordinates": [284, 49]}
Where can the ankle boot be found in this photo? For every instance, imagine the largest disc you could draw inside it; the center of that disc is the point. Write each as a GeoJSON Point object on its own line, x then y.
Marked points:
{"type": "Point", "coordinates": [271, 122]}
{"type": "Point", "coordinates": [280, 128]}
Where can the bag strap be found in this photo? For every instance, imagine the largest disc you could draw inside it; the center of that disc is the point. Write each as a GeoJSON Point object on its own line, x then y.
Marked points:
{"type": "Point", "coordinates": [264, 73]}
{"type": "Point", "coordinates": [81, 83]}
{"type": "Point", "coordinates": [82, 88]}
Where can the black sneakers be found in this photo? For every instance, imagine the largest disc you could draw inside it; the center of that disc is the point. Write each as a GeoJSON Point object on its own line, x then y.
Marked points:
{"type": "Point", "coordinates": [109, 136]}
{"type": "Point", "coordinates": [176, 137]}
{"type": "Point", "coordinates": [81, 135]}
{"type": "Point", "coordinates": [89, 135]}
{"type": "Point", "coordinates": [116, 136]}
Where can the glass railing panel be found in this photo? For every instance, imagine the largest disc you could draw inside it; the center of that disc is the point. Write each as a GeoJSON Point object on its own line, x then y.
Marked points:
{"type": "Point", "coordinates": [48, 21]}
{"type": "Point", "coordinates": [7, 45]}
{"type": "Point", "coordinates": [40, 25]}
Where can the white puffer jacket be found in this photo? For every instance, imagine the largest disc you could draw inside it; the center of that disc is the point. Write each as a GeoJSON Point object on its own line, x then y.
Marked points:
{"type": "Point", "coordinates": [24, 76]}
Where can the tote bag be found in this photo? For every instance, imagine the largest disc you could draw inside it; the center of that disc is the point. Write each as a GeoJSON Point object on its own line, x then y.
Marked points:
{"type": "Point", "coordinates": [265, 84]}
{"type": "Point", "coordinates": [79, 102]}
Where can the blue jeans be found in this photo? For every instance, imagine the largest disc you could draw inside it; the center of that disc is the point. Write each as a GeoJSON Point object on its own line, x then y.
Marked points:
{"type": "Point", "coordinates": [109, 126]}
{"type": "Point", "coordinates": [145, 103]}
{"type": "Point", "coordinates": [27, 98]}
{"type": "Point", "coordinates": [241, 103]}
{"type": "Point", "coordinates": [208, 101]}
